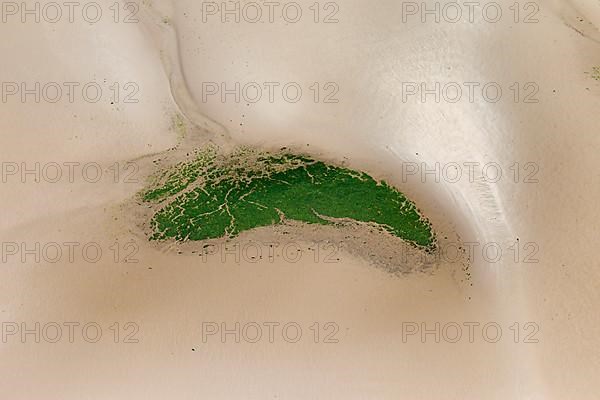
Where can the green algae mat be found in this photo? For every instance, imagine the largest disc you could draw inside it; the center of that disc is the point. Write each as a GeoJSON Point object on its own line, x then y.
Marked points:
{"type": "Point", "coordinates": [212, 195]}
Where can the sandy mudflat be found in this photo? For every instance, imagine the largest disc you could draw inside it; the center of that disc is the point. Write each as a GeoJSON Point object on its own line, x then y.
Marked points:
{"type": "Point", "coordinates": [165, 296]}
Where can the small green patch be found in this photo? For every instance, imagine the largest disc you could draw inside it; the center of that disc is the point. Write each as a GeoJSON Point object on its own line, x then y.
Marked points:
{"type": "Point", "coordinates": [216, 195]}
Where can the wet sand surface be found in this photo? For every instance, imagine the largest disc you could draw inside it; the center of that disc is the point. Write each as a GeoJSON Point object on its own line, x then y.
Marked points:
{"type": "Point", "coordinates": [168, 299]}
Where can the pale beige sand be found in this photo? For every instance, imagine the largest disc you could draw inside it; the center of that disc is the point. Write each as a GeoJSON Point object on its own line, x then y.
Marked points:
{"type": "Point", "coordinates": [170, 295]}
